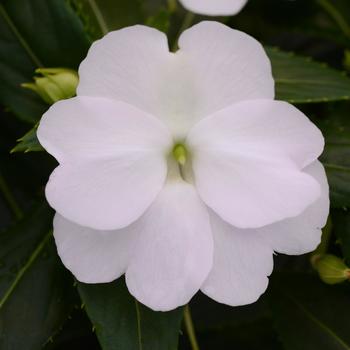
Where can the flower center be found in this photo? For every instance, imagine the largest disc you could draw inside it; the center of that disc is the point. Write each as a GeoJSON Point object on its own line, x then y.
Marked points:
{"type": "Point", "coordinates": [180, 153]}
{"type": "Point", "coordinates": [180, 164]}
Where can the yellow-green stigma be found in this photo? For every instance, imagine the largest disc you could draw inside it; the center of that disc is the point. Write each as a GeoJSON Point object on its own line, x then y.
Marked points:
{"type": "Point", "coordinates": [180, 153]}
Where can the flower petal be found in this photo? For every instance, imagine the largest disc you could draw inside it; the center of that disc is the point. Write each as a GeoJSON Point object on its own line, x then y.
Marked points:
{"type": "Point", "coordinates": [214, 8]}
{"type": "Point", "coordinates": [301, 234]}
{"type": "Point", "coordinates": [88, 128]}
{"type": "Point", "coordinates": [247, 162]}
{"type": "Point", "coordinates": [227, 66]}
{"type": "Point", "coordinates": [243, 257]}
{"type": "Point", "coordinates": [127, 65]}
{"type": "Point", "coordinates": [107, 195]}
{"type": "Point", "coordinates": [93, 256]}
{"type": "Point", "coordinates": [241, 265]}
{"type": "Point", "coordinates": [134, 65]}
{"type": "Point", "coordinates": [260, 129]}
{"type": "Point", "coordinates": [113, 160]}
{"type": "Point", "coordinates": [173, 255]}
{"type": "Point", "coordinates": [214, 67]}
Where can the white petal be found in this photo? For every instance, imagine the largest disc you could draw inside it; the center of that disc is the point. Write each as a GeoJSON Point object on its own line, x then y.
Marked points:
{"type": "Point", "coordinates": [174, 253]}
{"type": "Point", "coordinates": [134, 65]}
{"type": "Point", "coordinates": [93, 256]}
{"type": "Point", "coordinates": [214, 67]}
{"type": "Point", "coordinates": [301, 234]}
{"type": "Point", "coordinates": [127, 65]}
{"type": "Point", "coordinates": [227, 66]}
{"type": "Point", "coordinates": [107, 195]}
{"type": "Point", "coordinates": [88, 128]}
{"type": "Point", "coordinates": [260, 129]}
{"type": "Point", "coordinates": [241, 265]}
{"type": "Point", "coordinates": [243, 257]}
{"type": "Point", "coordinates": [247, 162]}
{"type": "Point", "coordinates": [113, 160]}
{"type": "Point", "coordinates": [214, 7]}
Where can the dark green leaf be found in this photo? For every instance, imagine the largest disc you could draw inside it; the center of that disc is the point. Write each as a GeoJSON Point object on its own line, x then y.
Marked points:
{"type": "Point", "coordinates": [102, 16]}
{"type": "Point", "coordinates": [309, 314]}
{"type": "Point", "coordinates": [341, 228]}
{"type": "Point", "coordinates": [300, 80]}
{"type": "Point", "coordinates": [336, 156]}
{"type": "Point", "coordinates": [35, 289]}
{"type": "Point", "coordinates": [160, 21]}
{"type": "Point", "coordinates": [254, 335]}
{"type": "Point", "coordinates": [28, 143]}
{"type": "Point", "coordinates": [42, 33]}
{"type": "Point", "coordinates": [121, 323]}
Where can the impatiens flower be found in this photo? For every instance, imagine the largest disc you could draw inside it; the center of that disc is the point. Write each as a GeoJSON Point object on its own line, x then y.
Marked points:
{"type": "Point", "coordinates": [214, 7]}
{"type": "Point", "coordinates": [180, 169]}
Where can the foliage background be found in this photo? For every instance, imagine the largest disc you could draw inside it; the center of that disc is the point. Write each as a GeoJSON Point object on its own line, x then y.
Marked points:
{"type": "Point", "coordinates": [41, 306]}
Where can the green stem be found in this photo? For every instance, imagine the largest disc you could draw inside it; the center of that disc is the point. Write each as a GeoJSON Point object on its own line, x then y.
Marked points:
{"type": "Point", "coordinates": [336, 15]}
{"type": "Point", "coordinates": [188, 20]}
{"type": "Point", "coordinates": [190, 328]}
{"type": "Point", "coordinates": [172, 5]}
{"type": "Point", "coordinates": [19, 37]}
{"type": "Point", "coordinates": [139, 332]}
{"type": "Point", "coordinates": [99, 17]}
{"type": "Point", "coordinates": [24, 269]}
{"type": "Point", "coordinates": [11, 201]}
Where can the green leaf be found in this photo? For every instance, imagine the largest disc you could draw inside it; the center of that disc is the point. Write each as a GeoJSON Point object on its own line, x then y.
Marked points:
{"type": "Point", "coordinates": [336, 156]}
{"type": "Point", "coordinates": [300, 80]}
{"type": "Point", "coordinates": [255, 335]}
{"type": "Point", "coordinates": [341, 229]}
{"type": "Point", "coordinates": [309, 314]}
{"type": "Point", "coordinates": [121, 323]}
{"type": "Point", "coordinates": [160, 21]}
{"type": "Point", "coordinates": [102, 16]}
{"type": "Point", "coordinates": [35, 289]}
{"type": "Point", "coordinates": [28, 143]}
{"type": "Point", "coordinates": [42, 33]}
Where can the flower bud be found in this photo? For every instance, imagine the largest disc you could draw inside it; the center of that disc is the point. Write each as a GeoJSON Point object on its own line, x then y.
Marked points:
{"type": "Point", "coordinates": [331, 269]}
{"type": "Point", "coordinates": [54, 84]}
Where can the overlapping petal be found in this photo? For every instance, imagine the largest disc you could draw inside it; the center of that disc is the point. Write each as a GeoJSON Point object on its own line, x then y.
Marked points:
{"type": "Point", "coordinates": [227, 66]}
{"type": "Point", "coordinates": [242, 262]}
{"type": "Point", "coordinates": [243, 257]}
{"type": "Point", "coordinates": [90, 128]}
{"type": "Point", "coordinates": [214, 67]}
{"type": "Point", "coordinates": [247, 162]}
{"type": "Point", "coordinates": [301, 234]}
{"type": "Point", "coordinates": [174, 253]}
{"type": "Point", "coordinates": [112, 161]}
{"type": "Point", "coordinates": [214, 8]}
{"type": "Point", "coordinates": [93, 256]}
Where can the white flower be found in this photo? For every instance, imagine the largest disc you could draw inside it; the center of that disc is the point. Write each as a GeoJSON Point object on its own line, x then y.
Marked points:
{"type": "Point", "coordinates": [250, 184]}
{"type": "Point", "coordinates": [214, 7]}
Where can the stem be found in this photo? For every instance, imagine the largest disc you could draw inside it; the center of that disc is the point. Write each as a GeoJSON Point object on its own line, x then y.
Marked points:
{"type": "Point", "coordinates": [99, 17]}
{"type": "Point", "coordinates": [172, 5]}
{"type": "Point", "coordinates": [19, 37]}
{"type": "Point", "coordinates": [23, 270]}
{"type": "Point", "coordinates": [190, 328]}
{"type": "Point", "coordinates": [336, 15]}
{"type": "Point", "coordinates": [11, 201]}
{"type": "Point", "coordinates": [138, 316]}
{"type": "Point", "coordinates": [189, 17]}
